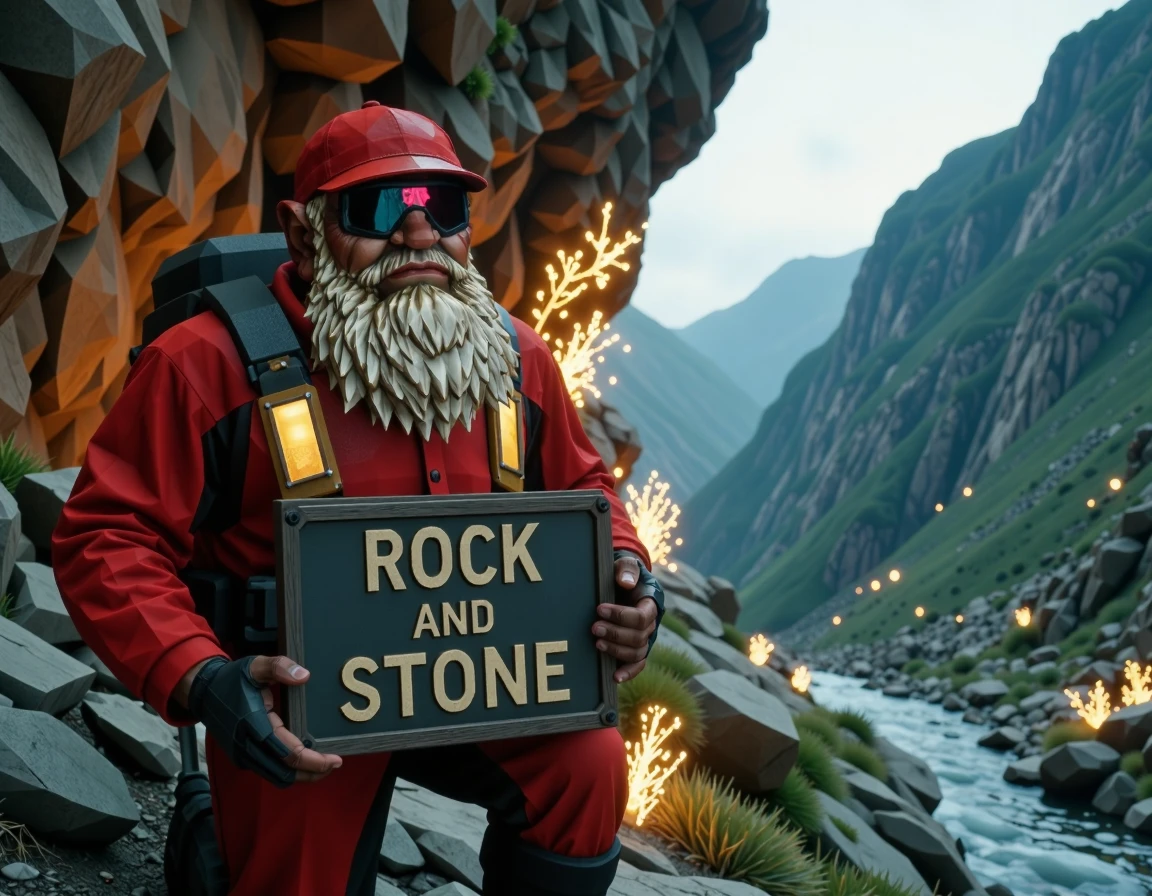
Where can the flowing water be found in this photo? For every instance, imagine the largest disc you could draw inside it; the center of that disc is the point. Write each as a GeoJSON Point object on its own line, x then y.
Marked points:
{"type": "Point", "coordinates": [1017, 836]}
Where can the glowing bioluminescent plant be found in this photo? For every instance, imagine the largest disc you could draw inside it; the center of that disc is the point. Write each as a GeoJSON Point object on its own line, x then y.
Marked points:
{"type": "Point", "coordinates": [1140, 691]}
{"type": "Point", "coordinates": [760, 649]}
{"type": "Point", "coordinates": [648, 763]}
{"type": "Point", "coordinates": [801, 679]}
{"type": "Point", "coordinates": [1098, 708]}
{"type": "Point", "coordinates": [1024, 617]}
{"type": "Point", "coordinates": [654, 516]}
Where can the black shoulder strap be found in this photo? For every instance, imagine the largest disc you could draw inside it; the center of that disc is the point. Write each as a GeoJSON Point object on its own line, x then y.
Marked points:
{"type": "Point", "coordinates": [510, 329]}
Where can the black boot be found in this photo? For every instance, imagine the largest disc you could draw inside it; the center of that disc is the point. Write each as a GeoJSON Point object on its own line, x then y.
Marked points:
{"type": "Point", "coordinates": [515, 868]}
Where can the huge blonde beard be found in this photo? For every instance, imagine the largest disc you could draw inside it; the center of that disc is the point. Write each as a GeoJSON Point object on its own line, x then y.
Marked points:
{"type": "Point", "coordinates": [421, 356]}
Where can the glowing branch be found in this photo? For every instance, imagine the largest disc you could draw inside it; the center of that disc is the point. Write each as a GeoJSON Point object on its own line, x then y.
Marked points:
{"type": "Point", "coordinates": [760, 649]}
{"type": "Point", "coordinates": [654, 516]}
{"type": "Point", "coordinates": [1099, 705]}
{"type": "Point", "coordinates": [648, 766]}
{"type": "Point", "coordinates": [1141, 684]}
{"type": "Point", "coordinates": [577, 358]}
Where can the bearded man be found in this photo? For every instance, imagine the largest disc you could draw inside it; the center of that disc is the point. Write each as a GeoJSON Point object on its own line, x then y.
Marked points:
{"type": "Point", "coordinates": [408, 349]}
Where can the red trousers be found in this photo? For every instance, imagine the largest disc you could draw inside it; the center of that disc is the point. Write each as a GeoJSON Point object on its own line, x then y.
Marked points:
{"type": "Point", "coordinates": [563, 793]}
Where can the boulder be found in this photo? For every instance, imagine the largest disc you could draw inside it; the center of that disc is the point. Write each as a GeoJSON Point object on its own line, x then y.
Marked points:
{"type": "Point", "coordinates": [641, 854]}
{"type": "Point", "coordinates": [1049, 653]}
{"type": "Point", "coordinates": [1038, 700]}
{"type": "Point", "coordinates": [1116, 795]}
{"type": "Point", "coordinates": [954, 703]}
{"type": "Point", "coordinates": [19, 871]}
{"type": "Point", "coordinates": [36, 675]}
{"type": "Point", "coordinates": [677, 583]}
{"type": "Point", "coordinates": [665, 637]}
{"type": "Point", "coordinates": [1077, 767]}
{"type": "Point", "coordinates": [722, 655]}
{"type": "Point", "coordinates": [399, 853]}
{"type": "Point", "coordinates": [10, 536]}
{"type": "Point", "coordinates": [1098, 670]}
{"type": "Point", "coordinates": [104, 677]}
{"type": "Point", "coordinates": [451, 857]}
{"type": "Point", "coordinates": [872, 792]}
{"type": "Point", "coordinates": [1025, 772]}
{"type": "Point", "coordinates": [449, 889]}
{"type": "Point", "coordinates": [898, 690]}
{"type": "Point", "coordinates": [1117, 559]}
{"type": "Point", "coordinates": [1137, 522]}
{"type": "Point", "coordinates": [869, 851]}
{"type": "Point", "coordinates": [1128, 728]}
{"type": "Point", "coordinates": [41, 497]}
{"type": "Point", "coordinates": [933, 853]}
{"type": "Point", "coordinates": [143, 737]}
{"type": "Point", "coordinates": [984, 693]}
{"type": "Point", "coordinates": [723, 601]}
{"type": "Point", "coordinates": [386, 888]}
{"type": "Point", "coordinates": [37, 606]}
{"type": "Point", "coordinates": [1139, 817]}
{"type": "Point", "coordinates": [54, 782]}
{"type": "Point", "coordinates": [860, 669]}
{"type": "Point", "coordinates": [779, 686]}
{"type": "Point", "coordinates": [912, 771]}
{"type": "Point", "coordinates": [698, 616]}
{"type": "Point", "coordinates": [751, 737]}
{"type": "Point", "coordinates": [1003, 714]}
{"type": "Point", "coordinates": [1004, 738]}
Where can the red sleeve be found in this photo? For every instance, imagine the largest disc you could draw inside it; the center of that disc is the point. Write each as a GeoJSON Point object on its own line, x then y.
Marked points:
{"type": "Point", "coordinates": [125, 531]}
{"type": "Point", "coordinates": [568, 459]}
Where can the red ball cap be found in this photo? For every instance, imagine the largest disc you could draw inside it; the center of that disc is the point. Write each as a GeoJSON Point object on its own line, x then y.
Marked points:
{"type": "Point", "coordinates": [375, 142]}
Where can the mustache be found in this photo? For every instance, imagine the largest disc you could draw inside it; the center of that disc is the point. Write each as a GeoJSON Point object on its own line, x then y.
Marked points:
{"type": "Point", "coordinates": [390, 262]}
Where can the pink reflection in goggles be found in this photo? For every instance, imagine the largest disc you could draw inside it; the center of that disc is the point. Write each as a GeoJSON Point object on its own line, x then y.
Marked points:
{"type": "Point", "coordinates": [415, 196]}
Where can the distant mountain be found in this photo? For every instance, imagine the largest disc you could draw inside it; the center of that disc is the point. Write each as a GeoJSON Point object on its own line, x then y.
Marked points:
{"type": "Point", "coordinates": [759, 339]}
{"type": "Point", "coordinates": [691, 417]}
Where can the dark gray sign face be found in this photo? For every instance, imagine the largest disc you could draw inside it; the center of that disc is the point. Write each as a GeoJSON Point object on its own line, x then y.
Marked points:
{"type": "Point", "coordinates": [437, 620]}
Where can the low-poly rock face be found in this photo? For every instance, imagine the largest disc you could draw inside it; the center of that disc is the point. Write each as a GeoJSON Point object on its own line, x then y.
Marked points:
{"type": "Point", "coordinates": [130, 129]}
{"type": "Point", "coordinates": [1077, 767]}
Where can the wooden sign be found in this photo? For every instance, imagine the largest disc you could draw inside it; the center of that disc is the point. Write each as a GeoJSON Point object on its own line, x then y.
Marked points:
{"type": "Point", "coordinates": [444, 619]}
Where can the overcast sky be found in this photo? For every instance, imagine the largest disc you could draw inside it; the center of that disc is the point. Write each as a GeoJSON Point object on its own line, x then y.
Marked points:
{"type": "Point", "coordinates": [844, 105]}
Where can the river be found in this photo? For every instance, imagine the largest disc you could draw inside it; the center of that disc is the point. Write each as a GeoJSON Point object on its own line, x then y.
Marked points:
{"type": "Point", "coordinates": [1016, 836]}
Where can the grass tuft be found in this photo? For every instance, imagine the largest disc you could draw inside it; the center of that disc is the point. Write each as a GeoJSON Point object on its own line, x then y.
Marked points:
{"type": "Point", "coordinates": [672, 660]}
{"type": "Point", "coordinates": [1065, 733]}
{"type": "Point", "coordinates": [505, 33]}
{"type": "Point", "coordinates": [656, 685]}
{"type": "Point", "coordinates": [736, 638]}
{"type": "Point", "coordinates": [864, 758]}
{"type": "Point", "coordinates": [736, 837]}
{"type": "Point", "coordinates": [478, 84]}
{"type": "Point", "coordinates": [846, 829]}
{"type": "Point", "coordinates": [1019, 640]}
{"type": "Point", "coordinates": [858, 724]}
{"type": "Point", "coordinates": [16, 462]}
{"type": "Point", "coordinates": [1133, 763]}
{"type": "Point", "coordinates": [7, 605]}
{"type": "Point", "coordinates": [913, 666]}
{"type": "Point", "coordinates": [1048, 678]}
{"type": "Point", "coordinates": [798, 804]}
{"type": "Point", "coordinates": [17, 843]}
{"type": "Point", "coordinates": [963, 664]}
{"type": "Point", "coordinates": [821, 723]}
{"type": "Point", "coordinates": [676, 625]}
{"type": "Point", "coordinates": [815, 761]}
{"type": "Point", "coordinates": [846, 880]}
{"type": "Point", "coordinates": [1144, 787]}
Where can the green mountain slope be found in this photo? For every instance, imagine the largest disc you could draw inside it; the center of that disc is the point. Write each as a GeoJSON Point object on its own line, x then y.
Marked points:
{"type": "Point", "coordinates": [690, 415]}
{"type": "Point", "coordinates": [758, 340]}
{"type": "Point", "coordinates": [987, 296]}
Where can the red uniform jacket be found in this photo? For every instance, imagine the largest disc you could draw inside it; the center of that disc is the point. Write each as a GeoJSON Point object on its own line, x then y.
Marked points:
{"type": "Point", "coordinates": [125, 532]}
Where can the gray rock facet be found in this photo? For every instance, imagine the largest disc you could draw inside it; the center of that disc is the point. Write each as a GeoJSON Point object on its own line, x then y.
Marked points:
{"type": "Point", "coordinates": [41, 497]}
{"type": "Point", "coordinates": [9, 535]}
{"type": "Point", "coordinates": [399, 853]}
{"type": "Point", "coordinates": [1116, 795]}
{"type": "Point", "coordinates": [1025, 772]}
{"type": "Point", "coordinates": [37, 605]}
{"type": "Point", "coordinates": [912, 771]}
{"type": "Point", "coordinates": [145, 738]}
{"type": "Point", "coordinates": [1077, 767]}
{"type": "Point", "coordinates": [1003, 738]}
{"type": "Point", "coordinates": [37, 675]}
{"type": "Point", "coordinates": [720, 654]}
{"type": "Point", "coordinates": [640, 854]}
{"type": "Point", "coordinates": [1139, 817]}
{"type": "Point", "coordinates": [19, 871]}
{"type": "Point", "coordinates": [933, 854]}
{"type": "Point", "coordinates": [1127, 728]}
{"type": "Point", "coordinates": [698, 616]}
{"type": "Point", "coordinates": [104, 677]}
{"type": "Point", "coordinates": [984, 693]}
{"type": "Point", "coordinates": [868, 852]}
{"type": "Point", "coordinates": [451, 857]}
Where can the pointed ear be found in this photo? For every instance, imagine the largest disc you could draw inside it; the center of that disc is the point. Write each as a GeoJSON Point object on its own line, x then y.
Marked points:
{"type": "Point", "coordinates": [294, 222]}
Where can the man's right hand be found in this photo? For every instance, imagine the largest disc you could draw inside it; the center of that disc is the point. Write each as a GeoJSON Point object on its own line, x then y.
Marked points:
{"type": "Point", "coordinates": [233, 700]}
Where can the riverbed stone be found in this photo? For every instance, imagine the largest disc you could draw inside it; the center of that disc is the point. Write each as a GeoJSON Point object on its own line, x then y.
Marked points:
{"type": "Point", "coordinates": [399, 853]}
{"type": "Point", "coordinates": [1116, 795]}
{"type": "Point", "coordinates": [1077, 767]}
{"type": "Point", "coordinates": [751, 736]}
{"type": "Point", "coordinates": [143, 737]}
{"type": "Point", "coordinates": [934, 854]}
{"type": "Point", "coordinates": [1038, 700]}
{"type": "Point", "coordinates": [860, 669]}
{"type": "Point", "coordinates": [386, 888]}
{"type": "Point", "coordinates": [1117, 559]}
{"type": "Point", "coordinates": [58, 785]}
{"type": "Point", "coordinates": [37, 606]}
{"type": "Point", "coordinates": [1025, 772]}
{"type": "Point", "coordinates": [1139, 817]}
{"type": "Point", "coordinates": [1137, 521]}
{"type": "Point", "coordinates": [913, 771]}
{"type": "Point", "coordinates": [871, 791]}
{"type": "Point", "coordinates": [1127, 728]}
{"type": "Point", "coordinates": [1004, 714]}
{"type": "Point", "coordinates": [984, 693]}
{"type": "Point", "coordinates": [869, 851]}
{"type": "Point", "coordinates": [898, 690]}
{"type": "Point", "coordinates": [451, 857]}
{"type": "Point", "coordinates": [1004, 738]}
{"type": "Point", "coordinates": [37, 675]}
{"type": "Point", "coordinates": [954, 703]}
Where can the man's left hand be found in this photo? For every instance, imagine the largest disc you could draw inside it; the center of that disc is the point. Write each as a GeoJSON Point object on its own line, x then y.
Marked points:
{"type": "Point", "coordinates": [623, 631]}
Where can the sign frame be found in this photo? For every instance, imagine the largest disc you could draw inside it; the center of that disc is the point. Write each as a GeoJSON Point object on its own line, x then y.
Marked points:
{"type": "Point", "coordinates": [291, 515]}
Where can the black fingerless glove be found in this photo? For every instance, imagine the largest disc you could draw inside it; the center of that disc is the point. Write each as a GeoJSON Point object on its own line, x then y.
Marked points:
{"type": "Point", "coordinates": [646, 586]}
{"type": "Point", "coordinates": [226, 698]}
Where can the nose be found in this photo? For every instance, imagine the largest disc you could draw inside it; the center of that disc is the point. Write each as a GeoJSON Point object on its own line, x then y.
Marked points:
{"type": "Point", "coordinates": [415, 231]}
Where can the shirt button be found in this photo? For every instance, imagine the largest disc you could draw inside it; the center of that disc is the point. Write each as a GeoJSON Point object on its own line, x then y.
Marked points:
{"type": "Point", "coordinates": [434, 475]}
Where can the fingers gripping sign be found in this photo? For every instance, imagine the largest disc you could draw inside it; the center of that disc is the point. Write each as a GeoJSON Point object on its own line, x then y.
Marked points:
{"type": "Point", "coordinates": [234, 701]}
{"type": "Point", "coordinates": [625, 630]}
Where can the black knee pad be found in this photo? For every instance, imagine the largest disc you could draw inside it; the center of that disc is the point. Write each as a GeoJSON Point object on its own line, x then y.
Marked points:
{"type": "Point", "coordinates": [513, 867]}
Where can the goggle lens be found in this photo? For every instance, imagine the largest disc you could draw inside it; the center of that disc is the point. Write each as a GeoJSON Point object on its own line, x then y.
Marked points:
{"type": "Point", "coordinates": [378, 211]}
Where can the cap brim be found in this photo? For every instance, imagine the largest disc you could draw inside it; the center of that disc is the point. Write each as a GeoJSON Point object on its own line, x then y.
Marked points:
{"type": "Point", "coordinates": [395, 166]}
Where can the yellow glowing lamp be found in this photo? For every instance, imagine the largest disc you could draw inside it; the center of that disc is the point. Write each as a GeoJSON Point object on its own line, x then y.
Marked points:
{"type": "Point", "coordinates": [506, 444]}
{"type": "Point", "coordinates": [301, 452]}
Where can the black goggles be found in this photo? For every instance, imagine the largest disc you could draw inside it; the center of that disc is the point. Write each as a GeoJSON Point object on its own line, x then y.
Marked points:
{"type": "Point", "coordinates": [377, 210]}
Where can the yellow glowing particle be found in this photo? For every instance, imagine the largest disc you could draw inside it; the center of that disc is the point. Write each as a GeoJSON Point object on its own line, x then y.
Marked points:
{"type": "Point", "coordinates": [1115, 484]}
{"type": "Point", "coordinates": [939, 507]}
{"type": "Point", "coordinates": [1024, 617]}
{"type": "Point", "coordinates": [1091, 502]}
{"type": "Point", "coordinates": [859, 589]}
{"type": "Point", "coordinates": [874, 584]}
{"type": "Point", "coordinates": [894, 575]}
{"type": "Point", "coordinates": [967, 491]}
{"type": "Point", "coordinates": [654, 516]}
{"type": "Point", "coordinates": [836, 620]}
{"type": "Point", "coordinates": [919, 612]}
{"type": "Point", "coordinates": [959, 618]}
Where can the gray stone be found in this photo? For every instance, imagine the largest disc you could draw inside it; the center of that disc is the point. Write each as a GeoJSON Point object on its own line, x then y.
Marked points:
{"type": "Point", "coordinates": [54, 782]}
{"type": "Point", "coordinates": [5, 701]}
{"type": "Point", "coordinates": [779, 686]}
{"type": "Point", "coordinates": [386, 888]}
{"type": "Point", "coordinates": [869, 852]}
{"type": "Point", "coordinates": [1117, 559]}
{"type": "Point", "coordinates": [697, 615]}
{"type": "Point", "coordinates": [751, 736]}
{"type": "Point", "coordinates": [1147, 752]}
{"type": "Point", "coordinates": [41, 497]}
{"type": "Point", "coordinates": [9, 536]}
{"type": "Point", "coordinates": [1139, 817]}
{"type": "Point", "coordinates": [640, 854]}
{"type": "Point", "coordinates": [104, 677]}
{"type": "Point", "coordinates": [1116, 795]}
{"type": "Point", "coordinates": [933, 854]}
{"type": "Point", "coordinates": [954, 703]}
{"type": "Point", "coordinates": [634, 882]}
{"type": "Point", "coordinates": [452, 857]}
{"type": "Point", "coordinates": [860, 669]}
{"type": "Point", "coordinates": [37, 675]}
{"type": "Point", "coordinates": [872, 792]}
{"type": "Point", "coordinates": [973, 716]}
{"type": "Point", "coordinates": [1025, 772]}
{"type": "Point", "coordinates": [452, 889]}
{"type": "Point", "coordinates": [19, 871]}
{"type": "Point", "coordinates": [984, 693]}
{"type": "Point", "coordinates": [898, 690]}
{"type": "Point", "coordinates": [668, 638]}
{"type": "Point", "coordinates": [1004, 738]}
{"type": "Point", "coordinates": [722, 655]}
{"type": "Point", "coordinates": [426, 882]}
{"type": "Point", "coordinates": [1002, 715]}
{"type": "Point", "coordinates": [399, 853]}
{"type": "Point", "coordinates": [724, 601]}
{"type": "Point", "coordinates": [144, 738]}
{"type": "Point", "coordinates": [676, 583]}
{"type": "Point", "coordinates": [912, 771]}
{"type": "Point", "coordinates": [37, 605]}
{"type": "Point", "coordinates": [1127, 728]}
{"type": "Point", "coordinates": [1038, 700]}
{"type": "Point", "coordinates": [1077, 767]}
{"type": "Point", "coordinates": [25, 550]}
{"type": "Point", "coordinates": [1137, 521]}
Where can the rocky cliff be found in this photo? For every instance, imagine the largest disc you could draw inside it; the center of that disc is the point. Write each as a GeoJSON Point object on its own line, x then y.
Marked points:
{"type": "Point", "coordinates": [132, 128]}
{"type": "Point", "coordinates": [988, 292]}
